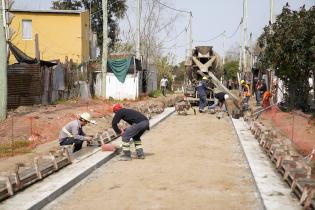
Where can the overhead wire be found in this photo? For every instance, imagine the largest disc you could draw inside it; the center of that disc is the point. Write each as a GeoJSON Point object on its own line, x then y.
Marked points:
{"type": "Point", "coordinates": [172, 8]}
{"type": "Point", "coordinates": [221, 34]}
{"type": "Point", "coordinates": [236, 30]}
{"type": "Point", "coordinates": [214, 38]}
{"type": "Point", "coordinates": [178, 35]}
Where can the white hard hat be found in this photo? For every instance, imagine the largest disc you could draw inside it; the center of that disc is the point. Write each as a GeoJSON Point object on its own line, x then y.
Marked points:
{"type": "Point", "coordinates": [226, 96]}
{"type": "Point", "coordinates": [87, 117]}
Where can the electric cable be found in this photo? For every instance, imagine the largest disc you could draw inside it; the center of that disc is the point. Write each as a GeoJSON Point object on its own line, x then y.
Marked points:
{"type": "Point", "coordinates": [172, 8]}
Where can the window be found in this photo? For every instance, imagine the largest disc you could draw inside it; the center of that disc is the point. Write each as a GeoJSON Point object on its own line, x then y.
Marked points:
{"type": "Point", "coordinates": [26, 29]}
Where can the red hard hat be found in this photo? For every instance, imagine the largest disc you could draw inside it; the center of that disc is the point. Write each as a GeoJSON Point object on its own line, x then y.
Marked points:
{"type": "Point", "coordinates": [117, 107]}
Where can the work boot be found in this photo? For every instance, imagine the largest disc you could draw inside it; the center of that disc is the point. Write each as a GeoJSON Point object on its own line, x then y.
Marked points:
{"type": "Point", "coordinates": [140, 153]}
{"type": "Point", "coordinates": [126, 156]}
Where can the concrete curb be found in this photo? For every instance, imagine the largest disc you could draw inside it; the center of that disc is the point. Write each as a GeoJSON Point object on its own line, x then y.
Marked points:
{"type": "Point", "coordinates": [273, 192]}
{"type": "Point", "coordinates": [42, 193]}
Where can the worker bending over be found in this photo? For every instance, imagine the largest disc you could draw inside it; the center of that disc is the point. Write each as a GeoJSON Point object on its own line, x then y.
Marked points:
{"type": "Point", "coordinates": [219, 100]}
{"type": "Point", "coordinates": [72, 133]}
{"type": "Point", "coordinates": [138, 125]}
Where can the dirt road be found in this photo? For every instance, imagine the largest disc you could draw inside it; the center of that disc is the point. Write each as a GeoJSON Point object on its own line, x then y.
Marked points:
{"type": "Point", "coordinates": [192, 162]}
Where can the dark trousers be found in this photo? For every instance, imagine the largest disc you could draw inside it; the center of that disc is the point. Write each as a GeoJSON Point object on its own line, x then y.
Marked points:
{"type": "Point", "coordinates": [202, 102]}
{"type": "Point", "coordinates": [163, 89]}
{"type": "Point", "coordinates": [135, 131]}
{"type": "Point", "coordinates": [69, 141]}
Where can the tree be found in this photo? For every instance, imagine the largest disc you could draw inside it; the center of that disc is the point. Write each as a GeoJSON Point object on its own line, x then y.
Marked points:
{"type": "Point", "coordinates": [164, 68]}
{"type": "Point", "coordinates": [289, 48]}
{"type": "Point", "coordinates": [231, 69]}
{"type": "Point", "coordinates": [67, 5]}
{"type": "Point", "coordinates": [116, 11]}
{"type": "Point", "coordinates": [180, 72]}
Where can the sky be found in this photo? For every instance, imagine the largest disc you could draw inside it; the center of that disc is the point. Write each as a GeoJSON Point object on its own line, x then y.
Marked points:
{"type": "Point", "coordinates": [210, 18]}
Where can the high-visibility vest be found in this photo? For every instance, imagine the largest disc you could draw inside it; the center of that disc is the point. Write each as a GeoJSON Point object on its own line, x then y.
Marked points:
{"type": "Point", "coordinates": [246, 90]}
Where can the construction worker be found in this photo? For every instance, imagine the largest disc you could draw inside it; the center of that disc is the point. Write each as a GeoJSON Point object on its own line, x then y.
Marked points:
{"type": "Point", "coordinates": [202, 88]}
{"type": "Point", "coordinates": [246, 92]}
{"type": "Point", "coordinates": [219, 100]}
{"type": "Point", "coordinates": [72, 133]}
{"type": "Point", "coordinates": [138, 125]}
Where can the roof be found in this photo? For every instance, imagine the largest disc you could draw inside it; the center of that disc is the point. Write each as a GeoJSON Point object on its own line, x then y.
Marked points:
{"type": "Point", "coordinates": [49, 11]}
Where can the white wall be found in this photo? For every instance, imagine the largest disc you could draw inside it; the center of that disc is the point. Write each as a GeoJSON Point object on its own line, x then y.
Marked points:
{"type": "Point", "coordinates": [119, 91]}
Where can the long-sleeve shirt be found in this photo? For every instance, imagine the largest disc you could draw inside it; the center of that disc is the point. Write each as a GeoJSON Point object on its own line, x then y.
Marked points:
{"type": "Point", "coordinates": [129, 115]}
{"type": "Point", "coordinates": [220, 96]}
{"type": "Point", "coordinates": [75, 129]}
{"type": "Point", "coordinates": [202, 89]}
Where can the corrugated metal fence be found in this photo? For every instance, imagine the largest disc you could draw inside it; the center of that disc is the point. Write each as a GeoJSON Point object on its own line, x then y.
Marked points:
{"type": "Point", "coordinates": [24, 85]}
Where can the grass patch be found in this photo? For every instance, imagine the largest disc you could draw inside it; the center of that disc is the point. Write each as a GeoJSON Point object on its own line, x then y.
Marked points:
{"type": "Point", "coordinates": [60, 101]}
{"type": "Point", "coordinates": [155, 94]}
{"type": "Point", "coordinates": [17, 147]}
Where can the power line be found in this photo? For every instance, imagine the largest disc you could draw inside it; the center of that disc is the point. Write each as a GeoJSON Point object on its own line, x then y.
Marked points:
{"type": "Point", "coordinates": [176, 35]}
{"type": "Point", "coordinates": [172, 8]}
{"type": "Point", "coordinates": [229, 37]}
{"type": "Point", "coordinates": [212, 38]}
{"type": "Point", "coordinates": [172, 47]}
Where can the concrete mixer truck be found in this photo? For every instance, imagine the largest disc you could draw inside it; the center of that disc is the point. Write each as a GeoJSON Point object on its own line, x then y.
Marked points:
{"type": "Point", "coordinates": [204, 62]}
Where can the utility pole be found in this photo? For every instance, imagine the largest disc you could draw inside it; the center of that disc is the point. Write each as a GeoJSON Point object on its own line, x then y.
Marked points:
{"type": "Point", "coordinates": [138, 54]}
{"type": "Point", "coordinates": [190, 36]}
{"type": "Point", "coordinates": [245, 35]}
{"type": "Point", "coordinates": [3, 63]}
{"type": "Point", "coordinates": [271, 12]}
{"type": "Point", "coordinates": [90, 31]}
{"type": "Point", "coordinates": [223, 58]}
{"type": "Point", "coordinates": [240, 67]}
{"type": "Point", "coordinates": [105, 49]}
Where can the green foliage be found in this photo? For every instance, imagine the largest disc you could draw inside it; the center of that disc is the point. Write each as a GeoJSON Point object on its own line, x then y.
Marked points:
{"type": "Point", "coordinates": [164, 68]}
{"type": "Point", "coordinates": [116, 11]}
{"type": "Point", "coordinates": [179, 72]}
{"type": "Point", "coordinates": [289, 47]}
{"type": "Point", "coordinates": [231, 68]}
{"type": "Point", "coordinates": [155, 94]}
{"type": "Point", "coordinates": [67, 5]}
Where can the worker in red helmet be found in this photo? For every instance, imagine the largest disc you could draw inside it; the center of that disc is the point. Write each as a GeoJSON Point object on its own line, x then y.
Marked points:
{"type": "Point", "coordinates": [138, 125]}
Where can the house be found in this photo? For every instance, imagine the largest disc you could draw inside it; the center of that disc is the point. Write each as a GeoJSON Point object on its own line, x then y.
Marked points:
{"type": "Point", "coordinates": [61, 34]}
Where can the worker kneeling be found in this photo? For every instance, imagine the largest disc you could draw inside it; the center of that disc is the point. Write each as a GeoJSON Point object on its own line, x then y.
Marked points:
{"type": "Point", "coordinates": [138, 125]}
{"type": "Point", "coordinates": [72, 133]}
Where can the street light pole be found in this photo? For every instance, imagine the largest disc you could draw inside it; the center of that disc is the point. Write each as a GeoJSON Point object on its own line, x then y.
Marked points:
{"type": "Point", "coordinates": [105, 49]}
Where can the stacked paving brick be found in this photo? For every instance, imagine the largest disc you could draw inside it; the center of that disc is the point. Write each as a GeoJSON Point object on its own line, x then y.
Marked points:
{"type": "Point", "coordinates": [297, 171]}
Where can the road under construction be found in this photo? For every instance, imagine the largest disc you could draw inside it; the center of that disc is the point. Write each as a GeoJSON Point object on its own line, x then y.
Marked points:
{"type": "Point", "coordinates": [193, 161]}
